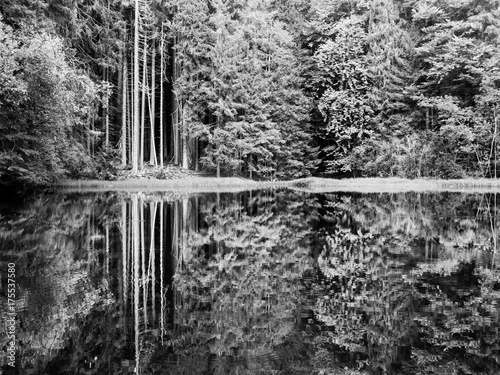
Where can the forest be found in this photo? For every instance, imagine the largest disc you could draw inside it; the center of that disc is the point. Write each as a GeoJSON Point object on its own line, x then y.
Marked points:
{"type": "Point", "coordinates": [261, 89]}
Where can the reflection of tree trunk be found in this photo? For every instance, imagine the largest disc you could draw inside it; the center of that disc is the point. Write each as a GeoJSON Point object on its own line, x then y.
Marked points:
{"type": "Point", "coordinates": [196, 214]}
{"type": "Point", "coordinates": [135, 236]}
{"type": "Point", "coordinates": [106, 265]}
{"type": "Point", "coordinates": [124, 278]}
{"type": "Point", "coordinates": [152, 250]}
{"type": "Point", "coordinates": [175, 251]}
{"type": "Point", "coordinates": [175, 237]}
{"type": "Point", "coordinates": [162, 291]}
{"type": "Point", "coordinates": [143, 262]}
{"type": "Point", "coordinates": [91, 242]}
{"type": "Point", "coordinates": [493, 225]}
{"type": "Point", "coordinates": [185, 257]}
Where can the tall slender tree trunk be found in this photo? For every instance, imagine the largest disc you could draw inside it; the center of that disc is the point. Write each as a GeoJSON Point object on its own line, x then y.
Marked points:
{"type": "Point", "coordinates": [106, 110]}
{"type": "Point", "coordinates": [184, 138]}
{"type": "Point", "coordinates": [143, 98]}
{"type": "Point", "coordinates": [130, 99]}
{"type": "Point", "coordinates": [89, 122]}
{"type": "Point", "coordinates": [162, 61]}
{"type": "Point", "coordinates": [495, 134]}
{"type": "Point", "coordinates": [175, 105]}
{"type": "Point", "coordinates": [196, 154]}
{"type": "Point", "coordinates": [124, 110]}
{"type": "Point", "coordinates": [135, 143]}
{"type": "Point", "coordinates": [152, 149]}
{"type": "Point", "coordinates": [218, 145]}
{"type": "Point", "coordinates": [250, 166]}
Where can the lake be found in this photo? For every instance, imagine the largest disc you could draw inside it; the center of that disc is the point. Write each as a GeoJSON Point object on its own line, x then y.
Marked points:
{"type": "Point", "coordinates": [261, 282]}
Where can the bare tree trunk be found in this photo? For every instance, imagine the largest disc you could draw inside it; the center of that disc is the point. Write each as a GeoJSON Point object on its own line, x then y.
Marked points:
{"type": "Point", "coordinates": [135, 137]}
{"type": "Point", "coordinates": [495, 119]}
{"type": "Point", "coordinates": [250, 166]}
{"type": "Point", "coordinates": [89, 122]}
{"type": "Point", "coordinates": [143, 98]}
{"type": "Point", "coordinates": [131, 110]}
{"type": "Point", "coordinates": [175, 106]}
{"type": "Point", "coordinates": [152, 149]}
{"type": "Point", "coordinates": [161, 95]}
{"type": "Point", "coordinates": [218, 145]}
{"type": "Point", "coordinates": [184, 139]}
{"type": "Point", "coordinates": [196, 154]}
{"type": "Point", "coordinates": [106, 110]}
{"type": "Point", "coordinates": [124, 111]}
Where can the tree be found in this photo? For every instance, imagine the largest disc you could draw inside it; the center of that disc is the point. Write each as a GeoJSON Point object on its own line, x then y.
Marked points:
{"type": "Point", "coordinates": [136, 126]}
{"type": "Point", "coordinates": [44, 109]}
{"type": "Point", "coordinates": [343, 96]}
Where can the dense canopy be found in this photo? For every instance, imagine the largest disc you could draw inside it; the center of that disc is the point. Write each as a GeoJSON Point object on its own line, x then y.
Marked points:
{"type": "Point", "coordinates": [261, 89]}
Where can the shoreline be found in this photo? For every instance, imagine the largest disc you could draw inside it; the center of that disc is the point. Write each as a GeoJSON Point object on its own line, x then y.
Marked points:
{"type": "Point", "coordinates": [310, 185]}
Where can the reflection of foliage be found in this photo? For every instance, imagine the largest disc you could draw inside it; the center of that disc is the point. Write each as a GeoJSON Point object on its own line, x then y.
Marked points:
{"type": "Point", "coordinates": [242, 289]}
{"type": "Point", "coordinates": [56, 288]}
{"type": "Point", "coordinates": [409, 287]}
{"type": "Point", "coordinates": [264, 282]}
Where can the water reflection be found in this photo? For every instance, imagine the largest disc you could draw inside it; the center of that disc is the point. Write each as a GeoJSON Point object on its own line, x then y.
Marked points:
{"type": "Point", "coordinates": [255, 283]}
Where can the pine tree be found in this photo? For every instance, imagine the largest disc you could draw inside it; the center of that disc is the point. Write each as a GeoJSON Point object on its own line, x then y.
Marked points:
{"type": "Point", "coordinates": [135, 121]}
{"type": "Point", "coordinates": [390, 66]}
{"type": "Point", "coordinates": [344, 92]}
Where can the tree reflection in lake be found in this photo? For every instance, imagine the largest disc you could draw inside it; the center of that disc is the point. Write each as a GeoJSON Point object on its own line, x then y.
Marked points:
{"type": "Point", "coordinates": [255, 283]}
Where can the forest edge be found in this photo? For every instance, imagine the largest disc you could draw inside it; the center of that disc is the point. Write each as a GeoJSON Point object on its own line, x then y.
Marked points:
{"type": "Point", "coordinates": [311, 184]}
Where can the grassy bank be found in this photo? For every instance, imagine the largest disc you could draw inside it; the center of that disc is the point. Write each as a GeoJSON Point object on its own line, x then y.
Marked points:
{"type": "Point", "coordinates": [313, 185]}
{"type": "Point", "coordinates": [394, 185]}
{"type": "Point", "coordinates": [187, 184]}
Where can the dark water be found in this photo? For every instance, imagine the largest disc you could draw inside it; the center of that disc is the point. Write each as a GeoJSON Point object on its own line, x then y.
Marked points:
{"type": "Point", "coordinates": [269, 282]}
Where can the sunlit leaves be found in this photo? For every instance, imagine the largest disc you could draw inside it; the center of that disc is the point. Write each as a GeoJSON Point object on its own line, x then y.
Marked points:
{"type": "Point", "coordinates": [43, 110]}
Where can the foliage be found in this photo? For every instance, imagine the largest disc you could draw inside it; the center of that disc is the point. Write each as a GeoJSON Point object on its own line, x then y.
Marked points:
{"type": "Point", "coordinates": [343, 100]}
{"type": "Point", "coordinates": [240, 87]}
{"type": "Point", "coordinates": [45, 104]}
{"type": "Point", "coordinates": [404, 75]}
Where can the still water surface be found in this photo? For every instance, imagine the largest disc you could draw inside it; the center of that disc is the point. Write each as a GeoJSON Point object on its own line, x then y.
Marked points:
{"type": "Point", "coordinates": [268, 282]}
